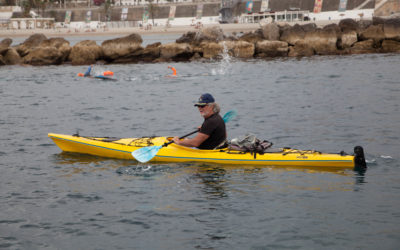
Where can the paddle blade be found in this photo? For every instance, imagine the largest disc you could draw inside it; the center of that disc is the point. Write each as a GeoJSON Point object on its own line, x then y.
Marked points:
{"type": "Point", "coordinates": [145, 154]}
{"type": "Point", "coordinates": [229, 115]}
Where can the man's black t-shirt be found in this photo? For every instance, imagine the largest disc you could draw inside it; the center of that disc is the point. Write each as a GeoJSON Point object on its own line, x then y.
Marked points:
{"type": "Point", "coordinates": [214, 126]}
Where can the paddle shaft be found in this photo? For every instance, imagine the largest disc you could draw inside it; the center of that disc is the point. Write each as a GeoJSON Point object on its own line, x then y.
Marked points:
{"type": "Point", "coordinates": [191, 133]}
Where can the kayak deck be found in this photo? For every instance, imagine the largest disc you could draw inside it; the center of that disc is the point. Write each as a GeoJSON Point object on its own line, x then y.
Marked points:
{"type": "Point", "coordinates": [122, 149]}
{"type": "Point", "coordinates": [104, 78]}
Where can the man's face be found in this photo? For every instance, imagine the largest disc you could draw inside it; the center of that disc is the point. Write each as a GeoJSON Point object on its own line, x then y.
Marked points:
{"type": "Point", "coordinates": [205, 111]}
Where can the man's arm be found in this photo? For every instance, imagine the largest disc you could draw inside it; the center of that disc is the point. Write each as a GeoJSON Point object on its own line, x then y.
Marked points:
{"type": "Point", "coordinates": [87, 73]}
{"type": "Point", "coordinates": [192, 142]}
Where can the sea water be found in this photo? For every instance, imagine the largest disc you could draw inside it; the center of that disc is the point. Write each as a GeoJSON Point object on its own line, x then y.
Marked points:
{"type": "Point", "coordinates": [55, 200]}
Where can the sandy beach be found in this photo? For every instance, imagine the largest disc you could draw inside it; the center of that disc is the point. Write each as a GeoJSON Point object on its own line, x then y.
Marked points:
{"type": "Point", "coordinates": [64, 32]}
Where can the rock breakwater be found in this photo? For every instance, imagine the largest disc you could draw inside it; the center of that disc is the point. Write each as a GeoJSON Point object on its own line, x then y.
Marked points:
{"type": "Point", "coordinates": [271, 40]}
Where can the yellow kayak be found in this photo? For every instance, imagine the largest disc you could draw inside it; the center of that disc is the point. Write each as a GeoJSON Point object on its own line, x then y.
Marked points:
{"type": "Point", "coordinates": [122, 149]}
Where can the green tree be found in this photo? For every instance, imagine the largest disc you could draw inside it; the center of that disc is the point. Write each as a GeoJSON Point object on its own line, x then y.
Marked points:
{"type": "Point", "coordinates": [26, 8]}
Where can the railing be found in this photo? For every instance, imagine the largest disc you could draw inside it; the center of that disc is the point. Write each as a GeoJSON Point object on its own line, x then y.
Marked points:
{"type": "Point", "coordinates": [117, 3]}
{"type": "Point", "coordinates": [279, 16]}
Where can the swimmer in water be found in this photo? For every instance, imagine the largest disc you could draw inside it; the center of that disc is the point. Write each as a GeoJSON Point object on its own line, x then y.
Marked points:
{"type": "Point", "coordinates": [173, 71]}
{"type": "Point", "coordinates": [88, 71]}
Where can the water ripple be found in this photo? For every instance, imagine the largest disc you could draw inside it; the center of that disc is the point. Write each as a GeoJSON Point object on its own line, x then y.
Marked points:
{"type": "Point", "coordinates": [54, 200]}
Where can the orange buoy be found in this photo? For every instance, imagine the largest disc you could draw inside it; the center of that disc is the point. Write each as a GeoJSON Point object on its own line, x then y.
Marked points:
{"type": "Point", "coordinates": [80, 74]}
{"type": "Point", "coordinates": [108, 73]}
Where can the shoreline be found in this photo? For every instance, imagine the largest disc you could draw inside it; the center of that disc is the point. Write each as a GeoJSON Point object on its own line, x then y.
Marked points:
{"type": "Point", "coordinates": [65, 32]}
{"type": "Point", "coordinates": [120, 32]}
{"type": "Point", "coordinates": [250, 41]}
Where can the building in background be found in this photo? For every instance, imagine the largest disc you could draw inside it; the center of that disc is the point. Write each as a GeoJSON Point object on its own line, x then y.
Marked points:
{"type": "Point", "coordinates": [131, 13]}
{"type": "Point", "coordinates": [387, 7]}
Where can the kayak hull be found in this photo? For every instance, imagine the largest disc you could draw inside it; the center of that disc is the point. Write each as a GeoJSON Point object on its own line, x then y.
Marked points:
{"type": "Point", "coordinates": [122, 149]}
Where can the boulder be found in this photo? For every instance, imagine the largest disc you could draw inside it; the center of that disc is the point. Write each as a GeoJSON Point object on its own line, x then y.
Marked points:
{"type": "Point", "coordinates": [11, 57]}
{"type": "Point", "coordinates": [232, 37]}
{"type": "Point", "coordinates": [2, 61]}
{"type": "Point", "coordinates": [283, 27]}
{"type": "Point", "coordinates": [32, 42]}
{"type": "Point", "coordinates": [151, 52]}
{"type": "Point", "coordinates": [133, 57]}
{"type": "Point", "coordinates": [3, 48]}
{"type": "Point", "coordinates": [121, 47]}
{"type": "Point", "coordinates": [196, 57]}
{"type": "Point", "coordinates": [293, 34]}
{"type": "Point", "coordinates": [349, 37]}
{"type": "Point", "coordinates": [188, 37]}
{"type": "Point", "coordinates": [198, 48]}
{"type": "Point", "coordinates": [85, 52]}
{"type": "Point", "coordinates": [363, 25]}
{"type": "Point", "coordinates": [271, 48]}
{"type": "Point", "coordinates": [390, 46]}
{"type": "Point", "coordinates": [348, 24]}
{"type": "Point", "coordinates": [252, 37]}
{"type": "Point", "coordinates": [376, 20]}
{"type": "Point", "coordinates": [309, 27]}
{"type": "Point", "coordinates": [176, 51]}
{"type": "Point", "coordinates": [391, 29]}
{"type": "Point", "coordinates": [59, 43]}
{"type": "Point", "coordinates": [211, 34]}
{"type": "Point", "coordinates": [212, 50]}
{"type": "Point", "coordinates": [6, 42]}
{"type": "Point", "coordinates": [43, 56]}
{"type": "Point", "coordinates": [270, 32]}
{"type": "Point", "coordinates": [363, 47]}
{"type": "Point", "coordinates": [333, 28]}
{"type": "Point", "coordinates": [240, 49]}
{"type": "Point", "coordinates": [300, 49]}
{"type": "Point", "coordinates": [323, 41]}
{"type": "Point", "coordinates": [374, 32]}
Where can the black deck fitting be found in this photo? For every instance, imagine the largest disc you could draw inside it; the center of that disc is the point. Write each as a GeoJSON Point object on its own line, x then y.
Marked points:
{"type": "Point", "coordinates": [359, 158]}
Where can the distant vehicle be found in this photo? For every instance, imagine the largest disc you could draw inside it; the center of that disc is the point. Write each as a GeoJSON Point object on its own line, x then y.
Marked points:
{"type": "Point", "coordinates": [98, 2]}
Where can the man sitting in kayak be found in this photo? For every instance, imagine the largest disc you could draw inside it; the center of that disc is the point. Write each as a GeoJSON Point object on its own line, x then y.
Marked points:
{"type": "Point", "coordinates": [212, 132]}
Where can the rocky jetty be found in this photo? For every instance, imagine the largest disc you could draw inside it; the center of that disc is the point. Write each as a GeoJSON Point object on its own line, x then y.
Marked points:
{"type": "Point", "coordinates": [271, 40]}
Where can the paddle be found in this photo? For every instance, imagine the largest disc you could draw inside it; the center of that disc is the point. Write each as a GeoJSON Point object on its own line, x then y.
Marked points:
{"type": "Point", "coordinates": [145, 154]}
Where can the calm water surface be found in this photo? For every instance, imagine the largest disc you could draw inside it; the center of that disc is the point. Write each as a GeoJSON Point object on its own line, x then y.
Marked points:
{"type": "Point", "coordinates": [54, 200]}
